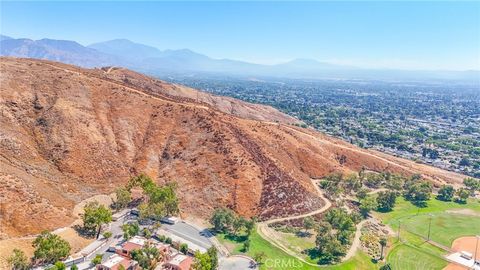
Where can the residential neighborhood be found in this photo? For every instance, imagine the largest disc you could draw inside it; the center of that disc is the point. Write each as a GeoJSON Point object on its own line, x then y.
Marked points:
{"type": "Point", "coordinates": [128, 236]}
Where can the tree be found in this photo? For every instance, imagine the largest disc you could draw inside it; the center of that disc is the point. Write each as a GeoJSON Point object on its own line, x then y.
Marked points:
{"type": "Point", "coordinates": [383, 244]}
{"type": "Point", "coordinates": [395, 182]}
{"type": "Point", "coordinates": [472, 184]}
{"type": "Point", "coordinates": [329, 248]}
{"type": "Point", "coordinates": [373, 180]}
{"type": "Point", "coordinates": [386, 200]}
{"type": "Point", "coordinates": [147, 233]}
{"type": "Point", "coordinates": [213, 254]}
{"type": "Point", "coordinates": [160, 200]}
{"type": "Point", "coordinates": [107, 234]}
{"type": "Point", "coordinates": [222, 220]}
{"type": "Point", "coordinates": [259, 257]}
{"type": "Point", "coordinates": [124, 197]}
{"type": "Point", "coordinates": [308, 223]}
{"type": "Point", "coordinates": [361, 193]}
{"type": "Point", "coordinates": [94, 216]}
{"type": "Point", "coordinates": [367, 204]}
{"type": "Point", "coordinates": [352, 183]}
{"type": "Point", "coordinates": [446, 193]}
{"type": "Point", "coordinates": [130, 230]}
{"type": "Point", "coordinates": [97, 260]}
{"type": "Point", "coordinates": [50, 248]}
{"type": "Point", "coordinates": [147, 257]}
{"type": "Point", "coordinates": [249, 226]}
{"type": "Point", "coordinates": [75, 267]}
{"type": "Point", "coordinates": [246, 245]}
{"type": "Point", "coordinates": [202, 261]}
{"type": "Point", "coordinates": [170, 199]}
{"type": "Point", "coordinates": [58, 266]}
{"type": "Point", "coordinates": [238, 224]}
{"type": "Point", "coordinates": [419, 192]}
{"type": "Point", "coordinates": [385, 267]}
{"type": "Point", "coordinates": [462, 195]}
{"type": "Point", "coordinates": [18, 260]}
{"type": "Point", "coordinates": [464, 162]}
{"type": "Point", "coordinates": [183, 248]}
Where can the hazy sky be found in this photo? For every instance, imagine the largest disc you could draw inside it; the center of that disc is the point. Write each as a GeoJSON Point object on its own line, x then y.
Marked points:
{"type": "Point", "coordinates": [413, 35]}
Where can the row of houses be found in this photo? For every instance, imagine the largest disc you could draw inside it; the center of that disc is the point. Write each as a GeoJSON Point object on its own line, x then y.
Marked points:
{"type": "Point", "coordinates": [170, 259]}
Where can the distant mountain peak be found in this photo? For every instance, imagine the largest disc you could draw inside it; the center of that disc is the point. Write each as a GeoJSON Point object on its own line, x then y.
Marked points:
{"type": "Point", "coordinates": [126, 48]}
{"type": "Point", "coordinates": [3, 37]}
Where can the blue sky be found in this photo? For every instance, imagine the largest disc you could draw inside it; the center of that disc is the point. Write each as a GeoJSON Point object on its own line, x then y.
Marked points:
{"type": "Point", "coordinates": [408, 35]}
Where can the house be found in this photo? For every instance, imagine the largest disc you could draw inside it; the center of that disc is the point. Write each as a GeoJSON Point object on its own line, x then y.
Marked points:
{"type": "Point", "coordinates": [179, 262]}
{"type": "Point", "coordinates": [137, 242]}
{"type": "Point", "coordinates": [115, 262]}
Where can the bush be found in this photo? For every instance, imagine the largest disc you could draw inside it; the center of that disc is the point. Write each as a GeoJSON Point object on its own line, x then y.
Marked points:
{"type": "Point", "coordinates": [446, 193]}
{"type": "Point", "coordinates": [183, 248]}
{"type": "Point", "coordinates": [97, 260]}
{"type": "Point", "coordinates": [162, 238]}
{"type": "Point", "coordinates": [18, 260]}
{"type": "Point", "coordinates": [107, 234]}
{"type": "Point", "coordinates": [50, 248]}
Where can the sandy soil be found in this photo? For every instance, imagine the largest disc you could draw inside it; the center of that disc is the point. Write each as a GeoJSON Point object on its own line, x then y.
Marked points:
{"type": "Point", "coordinates": [76, 241]}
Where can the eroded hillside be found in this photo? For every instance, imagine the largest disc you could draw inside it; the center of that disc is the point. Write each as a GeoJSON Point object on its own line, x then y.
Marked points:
{"type": "Point", "coordinates": [69, 133]}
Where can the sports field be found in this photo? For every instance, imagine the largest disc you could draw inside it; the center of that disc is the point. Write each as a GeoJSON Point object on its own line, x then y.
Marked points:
{"type": "Point", "coordinates": [449, 221]}
{"type": "Point", "coordinates": [407, 257]}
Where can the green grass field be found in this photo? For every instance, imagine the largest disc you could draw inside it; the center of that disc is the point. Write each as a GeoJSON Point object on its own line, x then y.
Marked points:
{"type": "Point", "coordinates": [413, 252]}
{"type": "Point", "coordinates": [404, 209]}
{"type": "Point", "coordinates": [445, 227]}
{"type": "Point", "coordinates": [257, 244]}
{"type": "Point", "coordinates": [404, 257]}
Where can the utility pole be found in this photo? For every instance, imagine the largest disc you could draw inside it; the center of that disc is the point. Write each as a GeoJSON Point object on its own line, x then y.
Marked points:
{"type": "Point", "coordinates": [429, 226]}
{"type": "Point", "coordinates": [399, 227]}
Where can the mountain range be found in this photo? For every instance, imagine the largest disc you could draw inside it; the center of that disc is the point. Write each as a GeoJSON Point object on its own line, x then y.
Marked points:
{"type": "Point", "coordinates": [148, 59]}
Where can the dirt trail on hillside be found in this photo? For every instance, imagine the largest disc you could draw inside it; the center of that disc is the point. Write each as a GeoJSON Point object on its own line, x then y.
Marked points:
{"type": "Point", "coordinates": [268, 233]}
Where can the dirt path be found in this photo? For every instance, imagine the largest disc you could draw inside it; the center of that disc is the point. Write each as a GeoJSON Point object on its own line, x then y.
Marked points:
{"type": "Point", "coordinates": [356, 241]}
{"type": "Point", "coordinates": [269, 235]}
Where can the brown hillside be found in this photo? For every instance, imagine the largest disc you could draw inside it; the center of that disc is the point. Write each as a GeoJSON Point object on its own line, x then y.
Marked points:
{"type": "Point", "coordinates": [68, 133]}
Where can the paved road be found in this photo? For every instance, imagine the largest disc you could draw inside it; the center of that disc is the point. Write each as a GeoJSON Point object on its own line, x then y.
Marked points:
{"type": "Point", "coordinates": [100, 247]}
{"type": "Point", "coordinates": [188, 232]}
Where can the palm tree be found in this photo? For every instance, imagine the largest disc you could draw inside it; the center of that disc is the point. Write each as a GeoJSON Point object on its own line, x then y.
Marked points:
{"type": "Point", "coordinates": [383, 244]}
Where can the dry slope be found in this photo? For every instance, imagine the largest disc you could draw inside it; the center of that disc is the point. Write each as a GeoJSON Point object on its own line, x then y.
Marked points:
{"type": "Point", "coordinates": [68, 133]}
